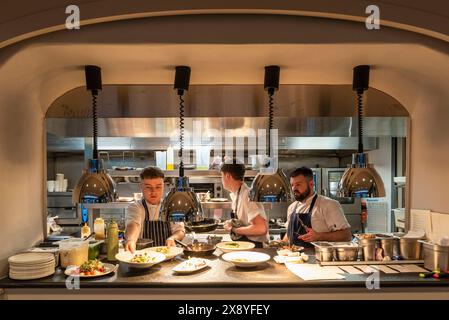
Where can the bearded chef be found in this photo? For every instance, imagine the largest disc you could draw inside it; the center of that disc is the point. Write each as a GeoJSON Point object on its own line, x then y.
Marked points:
{"type": "Point", "coordinates": [313, 217]}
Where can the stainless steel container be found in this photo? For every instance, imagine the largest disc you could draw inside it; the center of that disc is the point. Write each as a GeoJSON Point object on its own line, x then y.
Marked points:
{"type": "Point", "coordinates": [410, 248]}
{"type": "Point", "coordinates": [324, 251]}
{"type": "Point", "coordinates": [389, 246]}
{"type": "Point", "coordinates": [436, 257]}
{"type": "Point", "coordinates": [346, 253]}
{"type": "Point", "coordinates": [368, 249]}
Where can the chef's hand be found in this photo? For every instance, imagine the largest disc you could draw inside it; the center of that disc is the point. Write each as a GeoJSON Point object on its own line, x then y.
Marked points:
{"type": "Point", "coordinates": [228, 225]}
{"type": "Point", "coordinates": [310, 236]}
{"type": "Point", "coordinates": [130, 245]}
{"type": "Point", "coordinates": [170, 242]}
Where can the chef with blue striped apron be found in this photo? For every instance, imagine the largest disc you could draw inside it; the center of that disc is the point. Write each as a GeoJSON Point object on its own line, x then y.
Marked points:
{"type": "Point", "coordinates": [157, 230]}
{"type": "Point", "coordinates": [142, 216]}
{"type": "Point", "coordinates": [313, 217]}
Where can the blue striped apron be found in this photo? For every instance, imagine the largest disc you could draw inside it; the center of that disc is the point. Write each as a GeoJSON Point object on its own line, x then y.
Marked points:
{"type": "Point", "coordinates": [156, 230]}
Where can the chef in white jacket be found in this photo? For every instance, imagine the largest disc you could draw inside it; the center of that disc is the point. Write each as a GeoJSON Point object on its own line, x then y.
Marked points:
{"type": "Point", "coordinates": [253, 225]}
{"type": "Point", "coordinates": [142, 217]}
{"type": "Point", "coordinates": [313, 217]}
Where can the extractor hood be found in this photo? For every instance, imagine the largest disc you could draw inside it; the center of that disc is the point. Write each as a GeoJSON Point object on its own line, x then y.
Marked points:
{"type": "Point", "coordinates": [145, 117]}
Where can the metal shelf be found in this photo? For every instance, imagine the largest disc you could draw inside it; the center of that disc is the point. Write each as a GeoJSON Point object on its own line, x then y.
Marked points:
{"type": "Point", "coordinates": [361, 263]}
{"type": "Point", "coordinates": [175, 173]}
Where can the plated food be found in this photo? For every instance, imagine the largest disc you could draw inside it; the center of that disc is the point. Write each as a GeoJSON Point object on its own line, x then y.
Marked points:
{"type": "Point", "coordinates": [292, 257]}
{"type": "Point", "coordinates": [282, 245]}
{"type": "Point", "coordinates": [140, 259]}
{"type": "Point", "coordinates": [90, 269]}
{"type": "Point", "coordinates": [191, 265]}
{"type": "Point", "coordinates": [169, 252]}
{"type": "Point", "coordinates": [246, 258]}
{"type": "Point", "coordinates": [230, 246]}
{"type": "Point", "coordinates": [363, 236]}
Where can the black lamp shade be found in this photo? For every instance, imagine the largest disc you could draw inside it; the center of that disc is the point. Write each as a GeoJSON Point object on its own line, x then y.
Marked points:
{"type": "Point", "coordinates": [93, 78]}
{"type": "Point", "coordinates": [360, 81]}
{"type": "Point", "coordinates": [182, 78]}
{"type": "Point", "coordinates": [271, 81]}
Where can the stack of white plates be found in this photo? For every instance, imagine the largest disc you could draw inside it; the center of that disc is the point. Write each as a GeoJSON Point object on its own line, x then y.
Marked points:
{"type": "Point", "coordinates": [30, 265]}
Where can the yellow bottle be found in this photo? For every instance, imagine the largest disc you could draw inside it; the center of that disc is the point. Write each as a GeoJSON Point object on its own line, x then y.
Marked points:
{"type": "Point", "coordinates": [112, 242]}
{"type": "Point", "coordinates": [170, 159]}
{"type": "Point", "coordinates": [99, 229]}
{"type": "Point", "coordinates": [85, 231]}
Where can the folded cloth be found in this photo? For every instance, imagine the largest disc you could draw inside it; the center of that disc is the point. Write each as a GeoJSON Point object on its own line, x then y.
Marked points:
{"type": "Point", "coordinates": [236, 224]}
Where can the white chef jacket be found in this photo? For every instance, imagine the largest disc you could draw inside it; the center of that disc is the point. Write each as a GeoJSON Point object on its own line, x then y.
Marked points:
{"type": "Point", "coordinates": [248, 210]}
{"type": "Point", "coordinates": [327, 214]}
{"type": "Point", "coordinates": [136, 213]}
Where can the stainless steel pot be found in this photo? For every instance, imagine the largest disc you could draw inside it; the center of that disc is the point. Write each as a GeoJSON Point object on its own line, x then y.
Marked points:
{"type": "Point", "coordinates": [368, 249]}
{"type": "Point", "coordinates": [389, 246]}
{"type": "Point", "coordinates": [346, 253]}
{"type": "Point", "coordinates": [324, 251]}
{"type": "Point", "coordinates": [199, 249]}
{"type": "Point", "coordinates": [207, 225]}
{"type": "Point", "coordinates": [436, 257]}
{"type": "Point", "coordinates": [410, 248]}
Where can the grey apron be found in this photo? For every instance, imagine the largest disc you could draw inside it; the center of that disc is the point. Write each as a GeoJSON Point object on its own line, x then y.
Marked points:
{"type": "Point", "coordinates": [156, 230]}
{"type": "Point", "coordinates": [297, 223]}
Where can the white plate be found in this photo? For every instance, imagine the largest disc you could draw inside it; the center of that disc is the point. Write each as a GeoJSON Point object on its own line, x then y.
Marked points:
{"type": "Point", "coordinates": [31, 258]}
{"type": "Point", "coordinates": [284, 259]}
{"type": "Point", "coordinates": [173, 251]}
{"type": "Point", "coordinates": [246, 259]}
{"type": "Point", "coordinates": [125, 199]}
{"type": "Point", "coordinates": [125, 257]}
{"type": "Point", "coordinates": [219, 200]}
{"type": "Point", "coordinates": [73, 271]}
{"type": "Point", "coordinates": [20, 276]}
{"type": "Point", "coordinates": [190, 265]}
{"type": "Point", "coordinates": [288, 253]}
{"type": "Point", "coordinates": [241, 246]}
{"type": "Point", "coordinates": [32, 266]}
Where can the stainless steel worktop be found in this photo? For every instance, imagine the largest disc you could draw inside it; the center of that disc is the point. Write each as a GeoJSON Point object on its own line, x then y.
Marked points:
{"type": "Point", "coordinates": [221, 274]}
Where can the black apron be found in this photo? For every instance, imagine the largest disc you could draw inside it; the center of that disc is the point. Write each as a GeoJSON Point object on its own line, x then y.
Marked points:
{"type": "Point", "coordinates": [238, 237]}
{"type": "Point", "coordinates": [297, 223]}
{"type": "Point", "coordinates": [156, 230]}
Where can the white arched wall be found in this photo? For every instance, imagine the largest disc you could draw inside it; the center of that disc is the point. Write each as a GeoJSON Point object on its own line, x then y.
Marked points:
{"type": "Point", "coordinates": [34, 73]}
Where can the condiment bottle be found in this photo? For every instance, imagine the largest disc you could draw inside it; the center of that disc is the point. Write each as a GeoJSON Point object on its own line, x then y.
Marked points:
{"type": "Point", "coordinates": [112, 242]}
{"type": "Point", "coordinates": [99, 229]}
{"type": "Point", "coordinates": [85, 231]}
{"type": "Point", "coordinates": [170, 159]}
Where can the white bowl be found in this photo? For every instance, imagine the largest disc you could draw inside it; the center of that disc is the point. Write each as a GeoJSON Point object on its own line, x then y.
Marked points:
{"type": "Point", "coordinates": [246, 259]}
{"type": "Point", "coordinates": [172, 251]}
{"type": "Point", "coordinates": [125, 257]}
{"type": "Point", "coordinates": [228, 246]}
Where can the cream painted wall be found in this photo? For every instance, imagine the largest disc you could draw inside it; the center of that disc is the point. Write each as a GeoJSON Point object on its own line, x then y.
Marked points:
{"type": "Point", "coordinates": [21, 173]}
{"type": "Point", "coordinates": [32, 75]}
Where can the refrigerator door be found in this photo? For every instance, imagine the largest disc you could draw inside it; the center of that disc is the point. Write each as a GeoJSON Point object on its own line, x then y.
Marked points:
{"type": "Point", "coordinates": [317, 180]}
{"type": "Point", "coordinates": [330, 179]}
